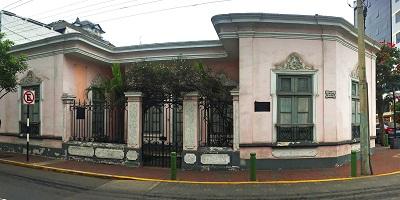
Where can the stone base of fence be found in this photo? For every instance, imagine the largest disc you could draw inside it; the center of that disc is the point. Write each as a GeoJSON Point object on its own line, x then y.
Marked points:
{"type": "Point", "coordinates": [102, 153]}
{"type": "Point", "coordinates": [33, 150]}
{"type": "Point", "coordinates": [211, 158]}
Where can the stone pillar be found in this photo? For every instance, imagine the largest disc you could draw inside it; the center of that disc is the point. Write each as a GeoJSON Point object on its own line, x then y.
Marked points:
{"type": "Point", "coordinates": [190, 121]}
{"type": "Point", "coordinates": [134, 119]}
{"type": "Point", "coordinates": [236, 128]}
{"type": "Point", "coordinates": [134, 136]}
{"type": "Point", "coordinates": [67, 101]}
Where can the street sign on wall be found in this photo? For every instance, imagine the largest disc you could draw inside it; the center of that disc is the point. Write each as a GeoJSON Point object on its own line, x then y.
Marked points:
{"type": "Point", "coordinates": [29, 97]}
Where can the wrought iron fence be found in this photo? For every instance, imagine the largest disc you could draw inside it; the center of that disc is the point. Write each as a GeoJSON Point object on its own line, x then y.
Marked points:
{"type": "Point", "coordinates": [216, 123]}
{"type": "Point", "coordinates": [355, 132]}
{"type": "Point", "coordinates": [98, 122]}
{"type": "Point", "coordinates": [295, 133]}
{"type": "Point", "coordinates": [162, 132]}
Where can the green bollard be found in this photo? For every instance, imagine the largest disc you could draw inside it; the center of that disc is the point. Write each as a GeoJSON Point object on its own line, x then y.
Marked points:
{"type": "Point", "coordinates": [253, 167]}
{"type": "Point", "coordinates": [385, 140]}
{"type": "Point", "coordinates": [353, 163]}
{"type": "Point", "coordinates": [173, 165]}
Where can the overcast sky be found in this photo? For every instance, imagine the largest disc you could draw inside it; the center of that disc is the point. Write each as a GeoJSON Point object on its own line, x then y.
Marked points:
{"type": "Point", "coordinates": [132, 22]}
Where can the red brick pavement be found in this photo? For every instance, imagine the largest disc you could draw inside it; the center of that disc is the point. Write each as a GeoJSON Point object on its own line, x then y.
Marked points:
{"type": "Point", "coordinates": [384, 160]}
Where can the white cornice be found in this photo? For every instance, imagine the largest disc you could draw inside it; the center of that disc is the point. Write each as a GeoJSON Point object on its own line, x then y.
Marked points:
{"type": "Point", "coordinates": [291, 35]}
{"type": "Point", "coordinates": [125, 60]}
{"type": "Point", "coordinates": [238, 19]}
{"type": "Point", "coordinates": [59, 41]}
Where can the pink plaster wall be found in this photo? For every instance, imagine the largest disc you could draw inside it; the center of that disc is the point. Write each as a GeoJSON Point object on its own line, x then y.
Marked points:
{"type": "Point", "coordinates": [79, 74]}
{"type": "Point", "coordinates": [333, 63]}
{"type": "Point", "coordinates": [50, 71]}
{"type": "Point", "coordinates": [229, 67]}
{"type": "Point", "coordinates": [258, 56]}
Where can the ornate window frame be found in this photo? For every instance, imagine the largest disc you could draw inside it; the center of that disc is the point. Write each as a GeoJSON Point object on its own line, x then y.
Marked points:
{"type": "Point", "coordinates": [31, 79]}
{"type": "Point", "coordinates": [292, 65]}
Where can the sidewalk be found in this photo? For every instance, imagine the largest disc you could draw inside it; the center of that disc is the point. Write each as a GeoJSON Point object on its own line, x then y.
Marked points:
{"type": "Point", "coordinates": [383, 161]}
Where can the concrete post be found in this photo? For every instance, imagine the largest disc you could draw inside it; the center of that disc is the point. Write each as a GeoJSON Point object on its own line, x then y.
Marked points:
{"type": "Point", "coordinates": [67, 101]}
{"type": "Point", "coordinates": [190, 121]}
{"type": "Point", "coordinates": [236, 128]}
{"type": "Point", "coordinates": [134, 119]}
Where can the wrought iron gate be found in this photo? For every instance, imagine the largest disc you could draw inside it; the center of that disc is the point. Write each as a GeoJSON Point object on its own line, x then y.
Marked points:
{"type": "Point", "coordinates": [216, 123]}
{"type": "Point", "coordinates": [162, 132]}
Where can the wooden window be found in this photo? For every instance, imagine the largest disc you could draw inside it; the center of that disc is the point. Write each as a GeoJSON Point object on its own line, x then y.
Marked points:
{"type": "Point", "coordinates": [34, 112]}
{"type": "Point", "coordinates": [294, 108]}
{"type": "Point", "coordinates": [355, 110]}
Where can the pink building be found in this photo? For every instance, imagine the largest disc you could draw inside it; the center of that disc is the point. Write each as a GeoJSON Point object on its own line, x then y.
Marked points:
{"type": "Point", "coordinates": [296, 103]}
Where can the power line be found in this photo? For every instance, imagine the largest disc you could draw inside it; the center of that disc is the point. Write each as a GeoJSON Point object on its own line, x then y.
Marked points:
{"type": "Point", "coordinates": [20, 5]}
{"type": "Point", "coordinates": [56, 9]}
{"type": "Point", "coordinates": [108, 1]}
{"type": "Point", "coordinates": [79, 8]}
{"type": "Point", "coordinates": [101, 12]}
{"type": "Point", "coordinates": [166, 9]}
{"type": "Point", "coordinates": [12, 4]}
{"type": "Point", "coordinates": [18, 34]}
{"type": "Point", "coordinates": [38, 35]}
{"type": "Point", "coordinates": [120, 8]}
{"type": "Point", "coordinates": [145, 13]}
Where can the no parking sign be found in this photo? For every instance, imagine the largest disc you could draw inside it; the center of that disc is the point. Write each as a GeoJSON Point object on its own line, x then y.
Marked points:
{"type": "Point", "coordinates": [29, 97]}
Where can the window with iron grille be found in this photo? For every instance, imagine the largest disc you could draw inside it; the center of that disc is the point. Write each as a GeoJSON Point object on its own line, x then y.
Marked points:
{"type": "Point", "coordinates": [34, 112]}
{"type": "Point", "coordinates": [355, 111]}
{"type": "Point", "coordinates": [295, 122]}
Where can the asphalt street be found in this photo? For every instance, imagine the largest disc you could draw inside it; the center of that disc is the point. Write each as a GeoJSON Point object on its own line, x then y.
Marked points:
{"type": "Point", "coordinates": [23, 183]}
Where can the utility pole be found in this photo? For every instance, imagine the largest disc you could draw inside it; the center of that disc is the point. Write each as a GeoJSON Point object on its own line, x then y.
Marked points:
{"type": "Point", "coordinates": [364, 132]}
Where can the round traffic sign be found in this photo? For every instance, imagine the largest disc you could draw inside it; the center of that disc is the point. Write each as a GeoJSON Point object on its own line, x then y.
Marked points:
{"type": "Point", "coordinates": [29, 97]}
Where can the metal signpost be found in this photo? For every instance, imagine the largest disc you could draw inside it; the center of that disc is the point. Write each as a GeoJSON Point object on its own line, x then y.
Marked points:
{"type": "Point", "coordinates": [28, 99]}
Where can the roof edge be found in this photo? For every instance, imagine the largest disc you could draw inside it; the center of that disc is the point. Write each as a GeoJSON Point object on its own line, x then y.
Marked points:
{"type": "Point", "coordinates": [289, 19]}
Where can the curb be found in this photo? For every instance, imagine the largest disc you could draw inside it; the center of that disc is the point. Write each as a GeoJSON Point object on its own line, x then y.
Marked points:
{"type": "Point", "coordinates": [118, 177]}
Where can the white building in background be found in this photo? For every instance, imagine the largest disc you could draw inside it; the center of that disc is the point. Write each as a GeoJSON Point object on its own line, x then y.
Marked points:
{"type": "Point", "coordinates": [382, 21]}
{"type": "Point", "coordinates": [22, 30]}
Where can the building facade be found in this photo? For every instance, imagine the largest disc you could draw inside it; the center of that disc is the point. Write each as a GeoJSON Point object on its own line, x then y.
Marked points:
{"type": "Point", "coordinates": [382, 22]}
{"type": "Point", "coordinates": [295, 105]}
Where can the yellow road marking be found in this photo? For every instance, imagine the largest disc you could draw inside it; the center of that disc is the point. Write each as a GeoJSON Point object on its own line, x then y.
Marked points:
{"type": "Point", "coordinates": [100, 175]}
{"type": "Point", "coordinates": [48, 162]}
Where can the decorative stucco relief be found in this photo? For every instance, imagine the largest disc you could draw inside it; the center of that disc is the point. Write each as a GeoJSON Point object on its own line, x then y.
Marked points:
{"type": "Point", "coordinates": [293, 62]}
{"type": "Point", "coordinates": [354, 72]}
{"type": "Point", "coordinates": [30, 79]}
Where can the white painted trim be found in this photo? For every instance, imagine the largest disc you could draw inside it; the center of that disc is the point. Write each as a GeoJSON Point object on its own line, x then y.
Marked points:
{"type": "Point", "coordinates": [274, 105]}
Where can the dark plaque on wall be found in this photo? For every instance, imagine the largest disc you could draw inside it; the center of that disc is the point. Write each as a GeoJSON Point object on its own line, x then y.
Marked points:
{"type": "Point", "coordinates": [330, 94]}
{"type": "Point", "coordinates": [262, 106]}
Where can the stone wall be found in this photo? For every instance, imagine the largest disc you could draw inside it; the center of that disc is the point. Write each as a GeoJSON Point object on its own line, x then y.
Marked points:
{"type": "Point", "coordinates": [33, 150]}
{"type": "Point", "coordinates": [102, 153]}
{"type": "Point", "coordinates": [209, 158]}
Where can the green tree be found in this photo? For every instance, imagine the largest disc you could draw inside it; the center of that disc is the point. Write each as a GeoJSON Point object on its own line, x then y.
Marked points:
{"type": "Point", "coordinates": [387, 76]}
{"type": "Point", "coordinates": [10, 66]}
{"type": "Point", "coordinates": [163, 79]}
{"type": "Point", "coordinates": [110, 89]}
